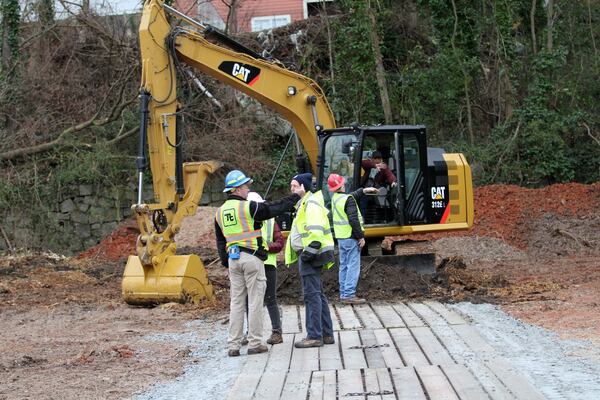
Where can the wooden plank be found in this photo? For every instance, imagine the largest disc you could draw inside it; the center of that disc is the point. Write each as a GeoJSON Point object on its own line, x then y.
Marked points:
{"type": "Point", "coordinates": [408, 316]}
{"type": "Point", "coordinates": [378, 380]}
{"type": "Point", "coordinates": [368, 316]}
{"type": "Point", "coordinates": [435, 383]}
{"type": "Point", "coordinates": [329, 355]}
{"type": "Point", "coordinates": [322, 386]}
{"type": "Point", "coordinates": [334, 318]}
{"type": "Point", "coordinates": [296, 386]}
{"type": "Point", "coordinates": [372, 354]}
{"type": "Point", "coordinates": [281, 354]}
{"type": "Point", "coordinates": [465, 384]}
{"type": "Point", "coordinates": [388, 316]}
{"type": "Point", "coordinates": [317, 386]}
{"type": "Point", "coordinates": [304, 359]}
{"type": "Point", "coordinates": [390, 354]}
{"type": "Point", "coordinates": [289, 319]}
{"type": "Point", "coordinates": [244, 386]}
{"type": "Point", "coordinates": [247, 381]}
{"type": "Point", "coordinates": [302, 313]}
{"type": "Point", "coordinates": [473, 339]}
{"type": "Point", "coordinates": [427, 314]}
{"type": "Point", "coordinates": [472, 360]}
{"type": "Point", "coordinates": [270, 386]}
{"type": "Point", "coordinates": [347, 318]}
{"type": "Point", "coordinates": [407, 384]}
{"type": "Point", "coordinates": [407, 347]}
{"type": "Point", "coordinates": [350, 381]}
{"type": "Point", "coordinates": [351, 358]}
{"type": "Point", "coordinates": [518, 385]}
{"type": "Point", "coordinates": [449, 315]}
{"type": "Point", "coordinates": [431, 346]}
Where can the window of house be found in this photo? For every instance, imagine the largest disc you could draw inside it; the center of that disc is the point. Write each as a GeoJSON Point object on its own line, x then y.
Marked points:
{"type": "Point", "coordinates": [269, 22]}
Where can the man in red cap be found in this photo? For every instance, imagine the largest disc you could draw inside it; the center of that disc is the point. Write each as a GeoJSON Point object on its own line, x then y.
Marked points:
{"type": "Point", "coordinates": [349, 232]}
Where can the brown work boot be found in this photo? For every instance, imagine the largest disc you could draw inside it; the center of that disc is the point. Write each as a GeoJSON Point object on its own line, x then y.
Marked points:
{"type": "Point", "coordinates": [275, 338]}
{"type": "Point", "coordinates": [328, 340]}
{"type": "Point", "coordinates": [353, 300]}
{"type": "Point", "coordinates": [257, 350]}
{"type": "Point", "coordinates": [306, 342]}
{"type": "Point", "coordinates": [233, 353]}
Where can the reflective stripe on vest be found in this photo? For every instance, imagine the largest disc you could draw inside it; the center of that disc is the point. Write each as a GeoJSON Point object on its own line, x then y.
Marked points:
{"type": "Point", "coordinates": [268, 230]}
{"type": "Point", "coordinates": [237, 224]}
{"type": "Point", "coordinates": [341, 225]}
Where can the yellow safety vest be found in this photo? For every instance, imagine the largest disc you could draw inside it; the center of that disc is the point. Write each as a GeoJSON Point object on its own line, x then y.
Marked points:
{"type": "Point", "coordinates": [268, 231]}
{"type": "Point", "coordinates": [237, 224]}
{"type": "Point", "coordinates": [312, 223]}
{"type": "Point", "coordinates": [341, 225]}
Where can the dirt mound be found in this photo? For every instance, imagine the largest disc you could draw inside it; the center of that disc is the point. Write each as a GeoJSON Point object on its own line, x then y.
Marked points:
{"type": "Point", "coordinates": [381, 281]}
{"type": "Point", "coordinates": [510, 212]}
{"type": "Point", "coordinates": [48, 279]}
{"type": "Point", "coordinates": [115, 247]}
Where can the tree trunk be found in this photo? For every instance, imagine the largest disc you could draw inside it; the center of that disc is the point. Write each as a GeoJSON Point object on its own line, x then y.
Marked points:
{"type": "Point", "coordinates": [379, 69]}
{"type": "Point", "coordinates": [231, 25]}
{"type": "Point", "coordinates": [532, 23]}
{"type": "Point", "coordinates": [550, 24]}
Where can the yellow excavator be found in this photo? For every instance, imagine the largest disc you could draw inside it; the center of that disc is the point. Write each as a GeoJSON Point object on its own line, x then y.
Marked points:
{"type": "Point", "coordinates": [433, 191]}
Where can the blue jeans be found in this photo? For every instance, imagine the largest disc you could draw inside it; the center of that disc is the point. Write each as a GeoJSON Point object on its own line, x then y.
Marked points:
{"type": "Point", "coordinates": [349, 267]}
{"type": "Point", "coordinates": [318, 319]}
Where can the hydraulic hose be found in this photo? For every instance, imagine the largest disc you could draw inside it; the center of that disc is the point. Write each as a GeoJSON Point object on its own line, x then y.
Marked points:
{"type": "Point", "coordinates": [142, 160]}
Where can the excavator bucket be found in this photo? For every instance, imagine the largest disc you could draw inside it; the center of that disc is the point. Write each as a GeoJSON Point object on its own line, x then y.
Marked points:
{"type": "Point", "coordinates": [181, 279]}
{"type": "Point", "coordinates": [165, 277]}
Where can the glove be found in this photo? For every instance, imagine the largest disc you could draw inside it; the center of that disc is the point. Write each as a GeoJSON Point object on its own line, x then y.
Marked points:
{"type": "Point", "coordinates": [307, 257]}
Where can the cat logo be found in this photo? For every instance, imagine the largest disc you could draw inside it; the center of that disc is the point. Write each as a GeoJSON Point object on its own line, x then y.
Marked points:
{"type": "Point", "coordinates": [243, 72]}
{"type": "Point", "coordinates": [438, 193]}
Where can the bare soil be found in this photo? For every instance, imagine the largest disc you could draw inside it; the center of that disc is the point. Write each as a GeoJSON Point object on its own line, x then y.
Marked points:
{"type": "Point", "coordinates": [66, 333]}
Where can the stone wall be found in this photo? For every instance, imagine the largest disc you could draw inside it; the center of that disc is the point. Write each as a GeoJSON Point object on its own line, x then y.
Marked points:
{"type": "Point", "coordinates": [84, 216]}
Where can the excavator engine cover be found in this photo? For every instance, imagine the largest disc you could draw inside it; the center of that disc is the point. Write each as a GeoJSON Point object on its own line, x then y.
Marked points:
{"type": "Point", "coordinates": [180, 279]}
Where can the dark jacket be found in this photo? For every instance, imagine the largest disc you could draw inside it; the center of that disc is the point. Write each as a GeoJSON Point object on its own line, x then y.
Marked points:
{"type": "Point", "coordinates": [260, 212]}
{"type": "Point", "coordinates": [351, 210]}
{"type": "Point", "coordinates": [383, 177]}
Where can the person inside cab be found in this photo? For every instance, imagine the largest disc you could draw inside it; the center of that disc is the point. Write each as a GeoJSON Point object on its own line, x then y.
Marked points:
{"type": "Point", "coordinates": [377, 173]}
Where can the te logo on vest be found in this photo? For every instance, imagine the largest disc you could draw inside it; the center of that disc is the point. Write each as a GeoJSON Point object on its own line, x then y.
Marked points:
{"type": "Point", "coordinates": [243, 72]}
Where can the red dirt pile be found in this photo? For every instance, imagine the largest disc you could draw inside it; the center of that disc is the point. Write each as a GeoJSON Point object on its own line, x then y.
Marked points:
{"type": "Point", "coordinates": [117, 246]}
{"type": "Point", "coordinates": [508, 212]}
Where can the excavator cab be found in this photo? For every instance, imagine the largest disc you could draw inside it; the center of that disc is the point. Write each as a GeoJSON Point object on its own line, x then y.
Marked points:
{"type": "Point", "coordinates": [421, 189]}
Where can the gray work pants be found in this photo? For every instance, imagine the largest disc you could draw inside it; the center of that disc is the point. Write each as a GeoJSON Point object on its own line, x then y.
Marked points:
{"type": "Point", "coordinates": [246, 277]}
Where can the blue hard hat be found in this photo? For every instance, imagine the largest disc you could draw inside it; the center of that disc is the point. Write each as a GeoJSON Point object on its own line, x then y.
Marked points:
{"type": "Point", "coordinates": [235, 179]}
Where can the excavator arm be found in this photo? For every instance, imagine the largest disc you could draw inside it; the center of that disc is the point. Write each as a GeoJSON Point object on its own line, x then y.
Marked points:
{"type": "Point", "coordinates": [156, 274]}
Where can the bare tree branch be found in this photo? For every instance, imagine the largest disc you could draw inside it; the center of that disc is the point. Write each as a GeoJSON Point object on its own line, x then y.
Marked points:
{"type": "Point", "coordinates": [589, 132]}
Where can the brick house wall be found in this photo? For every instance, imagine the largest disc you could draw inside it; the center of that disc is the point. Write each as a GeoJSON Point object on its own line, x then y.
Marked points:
{"type": "Point", "coordinates": [251, 13]}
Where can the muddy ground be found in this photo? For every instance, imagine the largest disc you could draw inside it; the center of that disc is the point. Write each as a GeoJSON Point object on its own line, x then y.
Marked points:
{"type": "Point", "coordinates": [67, 334]}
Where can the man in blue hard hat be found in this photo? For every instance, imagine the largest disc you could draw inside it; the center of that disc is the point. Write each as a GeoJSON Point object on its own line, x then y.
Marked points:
{"type": "Point", "coordinates": [238, 226]}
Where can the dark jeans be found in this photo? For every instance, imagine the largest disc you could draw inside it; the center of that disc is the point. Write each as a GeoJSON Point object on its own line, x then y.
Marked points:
{"type": "Point", "coordinates": [318, 319]}
{"type": "Point", "coordinates": [271, 298]}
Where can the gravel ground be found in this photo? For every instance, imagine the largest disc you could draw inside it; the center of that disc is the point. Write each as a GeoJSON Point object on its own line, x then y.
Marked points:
{"type": "Point", "coordinates": [212, 372]}
{"type": "Point", "coordinates": [560, 369]}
